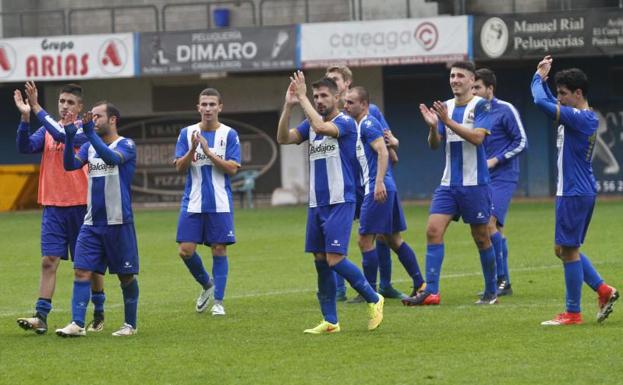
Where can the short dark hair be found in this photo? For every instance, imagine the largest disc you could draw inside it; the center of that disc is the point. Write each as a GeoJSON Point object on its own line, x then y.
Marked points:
{"type": "Point", "coordinates": [572, 79]}
{"type": "Point", "coordinates": [466, 65]}
{"type": "Point", "coordinates": [111, 109]}
{"type": "Point", "coordinates": [362, 93]}
{"type": "Point", "coordinates": [326, 82]}
{"type": "Point", "coordinates": [487, 76]}
{"type": "Point", "coordinates": [212, 92]}
{"type": "Point", "coordinates": [71, 88]}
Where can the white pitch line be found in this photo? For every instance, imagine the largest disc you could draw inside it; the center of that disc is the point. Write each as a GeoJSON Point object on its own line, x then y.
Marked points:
{"type": "Point", "coordinates": [13, 313]}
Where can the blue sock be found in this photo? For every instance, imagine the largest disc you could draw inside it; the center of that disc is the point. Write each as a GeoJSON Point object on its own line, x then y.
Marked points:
{"type": "Point", "coordinates": [487, 260]}
{"type": "Point", "coordinates": [434, 259]}
{"type": "Point", "coordinates": [496, 241]}
{"type": "Point", "coordinates": [79, 301]}
{"type": "Point", "coordinates": [385, 264]}
{"type": "Point", "coordinates": [326, 291]}
{"type": "Point", "coordinates": [98, 298]}
{"type": "Point", "coordinates": [340, 284]}
{"type": "Point", "coordinates": [591, 276]}
{"type": "Point", "coordinates": [355, 277]}
{"type": "Point", "coordinates": [220, 268]}
{"type": "Point", "coordinates": [574, 278]}
{"type": "Point", "coordinates": [195, 266]}
{"type": "Point", "coordinates": [505, 260]}
{"type": "Point", "coordinates": [370, 264]}
{"type": "Point", "coordinates": [43, 306]}
{"type": "Point", "coordinates": [407, 257]}
{"type": "Point", "coordinates": [130, 302]}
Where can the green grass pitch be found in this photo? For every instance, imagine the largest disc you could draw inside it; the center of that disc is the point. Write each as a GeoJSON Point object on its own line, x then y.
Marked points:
{"type": "Point", "coordinates": [270, 299]}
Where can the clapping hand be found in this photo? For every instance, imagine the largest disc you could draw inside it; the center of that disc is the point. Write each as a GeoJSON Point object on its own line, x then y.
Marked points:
{"type": "Point", "coordinates": [204, 143]}
{"type": "Point", "coordinates": [194, 141]}
{"type": "Point", "coordinates": [441, 110]}
{"type": "Point", "coordinates": [544, 67]}
{"type": "Point", "coordinates": [291, 97]}
{"type": "Point", "coordinates": [297, 82]}
{"type": "Point", "coordinates": [87, 123]}
{"type": "Point", "coordinates": [68, 124]}
{"type": "Point", "coordinates": [33, 95]}
{"type": "Point", "coordinates": [21, 104]}
{"type": "Point", "coordinates": [430, 117]}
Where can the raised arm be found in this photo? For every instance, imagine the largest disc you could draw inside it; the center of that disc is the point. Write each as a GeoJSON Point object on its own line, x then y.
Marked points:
{"type": "Point", "coordinates": [315, 120]}
{"type": "Point", "coordinates": [71, 161]}
{"type": "Point", "coordinates": [285, 134]}
{"type": "Point", "coordinates": [543, 97]}
{"type": "Point", "coordinates": [56, 130]}
{"type": "Point", "coordinates": [108, 156]}
{"type": "Point", "coordinates": [26, 143]}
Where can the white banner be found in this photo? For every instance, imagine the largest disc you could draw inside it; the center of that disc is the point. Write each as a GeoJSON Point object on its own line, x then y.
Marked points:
{"type": "Point", "coordinates": [67, 57]}
{"type": "Point", "coordinates": [385, 42]}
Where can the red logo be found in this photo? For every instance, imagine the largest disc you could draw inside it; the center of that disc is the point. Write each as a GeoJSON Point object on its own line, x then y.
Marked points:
{"type": "Point", "coordinates": [426, 35]}
{"type": "Point", "coordinates": [7, 60]}
{"type": "Point", "coordinates": [113, 56]}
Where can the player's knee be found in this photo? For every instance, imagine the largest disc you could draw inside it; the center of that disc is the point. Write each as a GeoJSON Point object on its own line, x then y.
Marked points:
{"type": "Point", "coordinates": [97, 282]}
{"type": "Point", "coordinates": [219, 250]}
{"type": "Point", "coordinates": [82, 275]}
{"type": "Point", "coordinates": [185, 252]}
{"type": "Point", "coordinates": [126, 279]}
{"type": "Point", "coordinates": [49, 264]}
{"type": "Point", "coordinates": [492, 226]}
{"type": "Point", "coordinates": [365, 243]}
{"type": "Point", "coordinates": [434, 233]}
{"type": "Point", "coordinates": [558, 251]}
{"type": "Point", "coordinates": [334, 259]}
{"type": "Point", "coordinates": [394, 241]}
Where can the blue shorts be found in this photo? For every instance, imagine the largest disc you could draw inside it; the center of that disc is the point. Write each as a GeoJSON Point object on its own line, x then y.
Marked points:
{"type": "Point", "coordinates": [501, 195]}
{"type": "Point", "coordinates": [382, 218]}
{"type": "Point", "coordinates": [113, 247]}
{"type": "Point", "coordinates": [328, 228]}
{"type": "Point", "coordinates": [206, 228]}
{"type": "Point", "coordinates": [59, 229]}
{"type": "Point", "coordinates": [472, 203]}
{"type": "Point", "coordinates": [573, 215]}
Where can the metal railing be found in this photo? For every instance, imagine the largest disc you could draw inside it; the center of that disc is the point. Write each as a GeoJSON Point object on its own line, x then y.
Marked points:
{"type": "Point", "coordinates": [113, 11]}
{"type": "Point", "coordinates": [357, 11]}
{"type": "Point", "coordinates": [48, 14]}
{"type": "Point", "coordinates": [262, 3]}
{"type": "Point", "coordinates": [209, 6]}
{"type": "Point", "coordinates": [302, 10]}
{"type": "Point", "coordinates": [65, 21]}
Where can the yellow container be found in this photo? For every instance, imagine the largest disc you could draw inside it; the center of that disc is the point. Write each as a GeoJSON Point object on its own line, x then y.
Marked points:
{"type": "Point", "coordinates": [18, 186]}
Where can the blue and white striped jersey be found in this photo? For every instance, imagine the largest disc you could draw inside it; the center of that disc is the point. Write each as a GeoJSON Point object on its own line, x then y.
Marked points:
{"type": "Point", "coordinates": [208, 188]}
{"type": "Point", "coordinates": [507, 140]}
{"type": "Point", "coordinates": [109, 196]}
{"type": "Point", "coordinates": [333, 168]}
{"type": "Point", "coordinates": [369, 129]}
{"type": "Point", "coordinates": [466, 164]}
